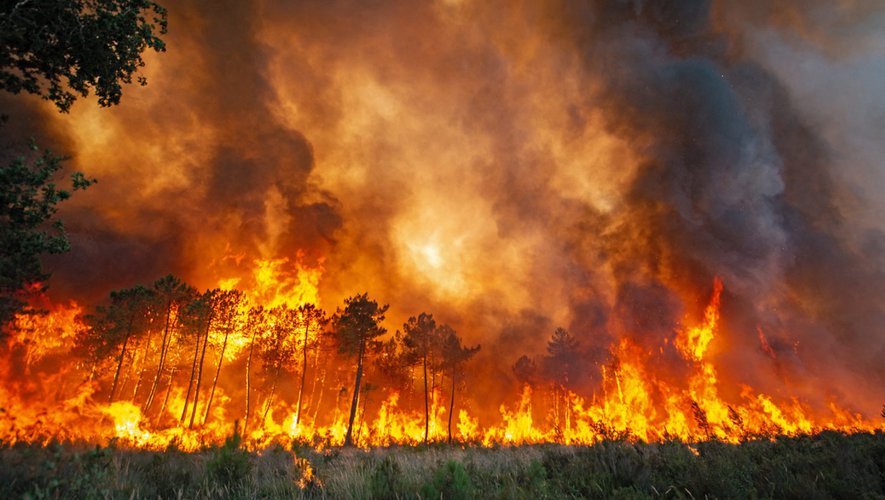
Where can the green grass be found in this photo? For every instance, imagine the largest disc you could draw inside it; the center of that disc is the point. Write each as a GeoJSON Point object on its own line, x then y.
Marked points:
{"type": "Point", "coordinates": [826, 465]}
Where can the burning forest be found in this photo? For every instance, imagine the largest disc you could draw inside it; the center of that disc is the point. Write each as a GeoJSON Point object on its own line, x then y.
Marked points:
{"type": "Point", "coordinates": [396, 223]}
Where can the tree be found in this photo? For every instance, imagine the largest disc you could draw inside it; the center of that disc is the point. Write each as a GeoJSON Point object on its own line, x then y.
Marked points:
{"type": "Point", "coordinates": [421, 342]}
{"type": "Point", "coordinates": [28, 200]}
{"type": "Point", "coordinates": [277, 347]}
{"type": "Point", "coordinates": [172, 295]}
{"type": "Point", "coordinates": [115, 325]}
{"type": "Point", "coordinates": [311, 320]}
{"type": "Point", "coordinates": [59, 49]}
{"type": "Point", "coordinates": [255, 327]}
{"type": "Point", "coordinates": [228, 316]}
{"type": "Point", "coordinates": [561, 365]}
{"type": "Point", "coordinates": [356, 328]}
{"type": "Point", "coordinates": [526, 371]}
{"type": "Point", "coordinates": [453, 356]}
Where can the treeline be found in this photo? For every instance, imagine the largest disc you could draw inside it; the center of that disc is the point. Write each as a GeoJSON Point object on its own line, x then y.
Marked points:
{"type": "Point", "coordinates": [169, 341]}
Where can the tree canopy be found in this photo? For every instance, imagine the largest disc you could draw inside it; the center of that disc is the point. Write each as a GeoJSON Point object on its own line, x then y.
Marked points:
{"type": "Point", "coordinates": [62, 49]}
{"type": "Point", "coordinates": [27, 202]}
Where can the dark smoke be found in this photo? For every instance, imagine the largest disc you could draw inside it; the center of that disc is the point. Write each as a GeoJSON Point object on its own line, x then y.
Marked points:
{"type": "Point", "coordinates": [592, 165]}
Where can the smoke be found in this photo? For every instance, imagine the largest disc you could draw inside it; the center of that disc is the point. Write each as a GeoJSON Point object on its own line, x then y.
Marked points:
{"type": "Point", "coordinates": [511, 167]}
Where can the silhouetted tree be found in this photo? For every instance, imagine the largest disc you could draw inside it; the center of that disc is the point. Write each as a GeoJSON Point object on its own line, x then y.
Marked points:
{"type": "Point", "coordinates": [172, 295]}
{"type": "Point", "coordinates": [310, 319]}
{"type": "Point", "coordinates": [526, 371]}
{"type": "Point", "coordinates": [453, 356]}
{"type": "Point", "coordinates": [392, 364]}
{"type": "Point", "coordinates": [561, 365]}
{"type": "Point", "coordinates": [277, 347]}
{"type": "Point", "coordinates": [28, 199]}
{"type": "Point", "coordinates": [421, 342]}
{"type": "Point", "coordinates": [256, 326]}
{"type": "Point", "coordinates": [356, 328]}
{"type": "Point", "coordinates": [59, 49]}
{"type": "Point", "coordinates": [115, 325]}
{"type": "Point", "coordinates": [227, 313]}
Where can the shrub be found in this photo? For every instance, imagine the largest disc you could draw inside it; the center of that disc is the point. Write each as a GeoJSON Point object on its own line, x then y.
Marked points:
{"type": "Point", "coordinates": [229, 465]}
{"type": "Point", "coordinates": [449, 481]}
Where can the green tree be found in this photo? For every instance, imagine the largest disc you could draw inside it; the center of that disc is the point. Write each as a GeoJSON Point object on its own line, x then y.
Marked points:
{"type": "Point", "coordinates": [59, 49]}
{"type": "Point", "coordinates": [356, 328]}
{"type": "Point", "coordinates": [28, 203]}
{"type": "Point", "coordinates": [421, 342]}
{"type": "Point", "coordinates": [453, 356]}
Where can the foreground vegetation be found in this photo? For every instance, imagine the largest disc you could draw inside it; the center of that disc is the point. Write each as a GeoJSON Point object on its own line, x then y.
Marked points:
{"type": "Point", "coordinates": [826, 465]}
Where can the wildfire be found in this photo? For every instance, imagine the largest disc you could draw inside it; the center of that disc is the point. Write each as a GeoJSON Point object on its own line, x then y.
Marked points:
{"type": "Point", "coordinates": [303, 395]}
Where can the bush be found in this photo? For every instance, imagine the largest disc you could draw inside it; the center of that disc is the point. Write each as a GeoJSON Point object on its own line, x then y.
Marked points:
{"type": "Point", "coordinates": [449, 481]}
{"type": "Point", "coordinates": [229, 465]}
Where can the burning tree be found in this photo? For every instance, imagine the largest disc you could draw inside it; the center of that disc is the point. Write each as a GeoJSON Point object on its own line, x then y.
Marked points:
{"type": "Point", "coordinates": [277, 347]}
{"type": "Point", "coordinates": [228, 318]}
{"type": "Point", "coordinates": [356, 328]}
{"type": "Point", "coordinates": [560, 366]}
{"type": "Point", "coordinates": [115, 326]}
{"type": "Point", "coordinates": [453, 356]}
{"type": "Point", "coordinates": [422, 344]}
{"type": "Point", "coordinates": [172, 296]}
{"type": "Point", "coordinates": [311, 321]}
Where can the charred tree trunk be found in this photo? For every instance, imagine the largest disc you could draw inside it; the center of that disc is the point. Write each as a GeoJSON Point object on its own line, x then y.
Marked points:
{"type": "Point", "coordinates": [452, 405]}
{"type": "Point", "coordinates": [190, 383]}
{"type": "Point", "coordinates": [200, 372]}
{"type": "Point", "coordinates": [122, 357]}
{"type": "Point", "coordinates": [348, 438]}
{"type": "Point", "coordinates": [426, 403]}
{"type": "Point", "coordinates": [273, 389]}
{"type": "Point", "coordinates": [163, 349]}
{"type": "Point", "coordinates": [303, 375]}
{"type": "Point", "coordinates": [319, 379]}
{"type": "Point", "coordinates": [168, 390]}
{"type": "Point", "coordinates": [143, 367]}
{"type": "Point", "coordinates": [215, 379]}
{"type": "Point", "coordinates": [249, 383]}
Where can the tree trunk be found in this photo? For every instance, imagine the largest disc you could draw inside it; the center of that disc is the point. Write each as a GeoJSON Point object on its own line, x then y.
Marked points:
{"type": "Point", "coordinates": [215, 379]}
{"type": "Point", "coordinates": [168, 390]}
{"type": "Point", "coordinates": [316, 398]}
{"type": "Point", "coordinates": [273, 390]}
{"type": "Point", "coordinates": [451, 405]}
{"type": "Point", "coordinates": [426, 403]}
{"type": "Point", "coordinates": [143, 367]}
{"type": "Point", "coordinates": [200, 372]}
{"type": "Point", "coordinates": [122, 356]}
{"type": "Point", "coordinates": [303, 375]}
{"type": "Point", "coordinates": [249, 383]}
{"type": "Point", "coordinates": [190, 383]}
{"type": "Point", "coordinates": [348, 438]}
{"type": "Point", "coordinates": [163, 348]}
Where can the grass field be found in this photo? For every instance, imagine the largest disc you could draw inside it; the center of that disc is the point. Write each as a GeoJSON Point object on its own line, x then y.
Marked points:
{"type": "Point", "coordinates": [826, 465]}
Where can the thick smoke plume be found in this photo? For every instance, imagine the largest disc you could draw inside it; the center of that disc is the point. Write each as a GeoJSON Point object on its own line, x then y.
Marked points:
{"type": "Point", "coordinates": [515, 166]}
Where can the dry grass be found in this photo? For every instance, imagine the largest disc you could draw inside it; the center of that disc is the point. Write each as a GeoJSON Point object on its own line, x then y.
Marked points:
{"type": "Point", "coordinates": [826, 465]}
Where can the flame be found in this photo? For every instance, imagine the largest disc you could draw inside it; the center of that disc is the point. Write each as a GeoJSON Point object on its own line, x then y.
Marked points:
{"type": "Point", "coordinates": [55, 399]}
